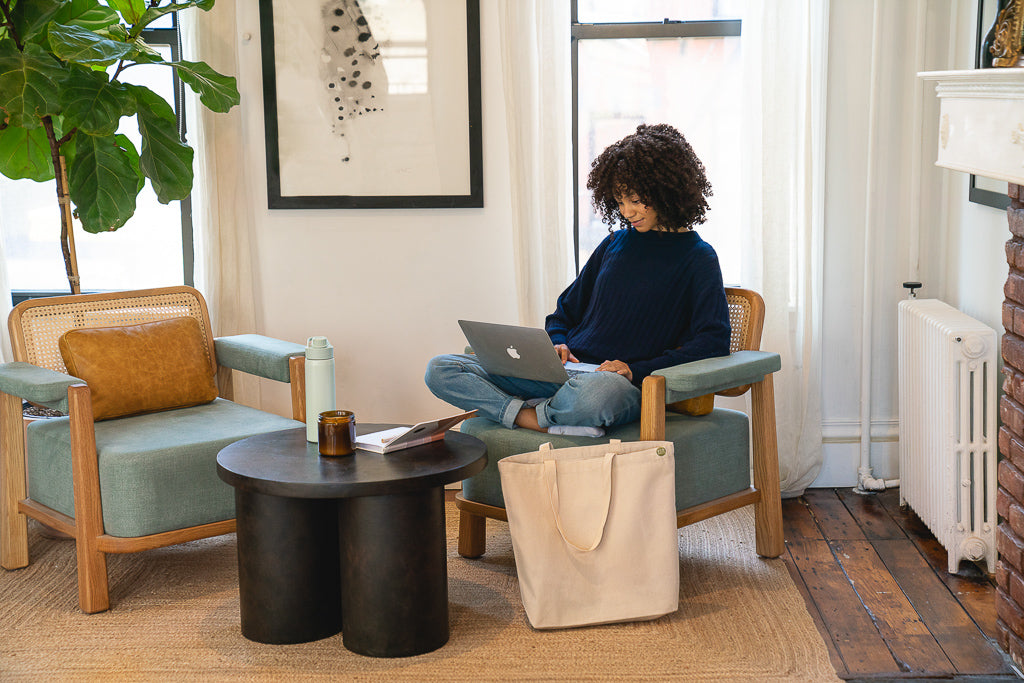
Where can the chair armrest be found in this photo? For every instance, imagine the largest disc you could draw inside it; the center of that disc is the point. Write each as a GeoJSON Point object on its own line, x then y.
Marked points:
{"type": "Point", "coordinates": [710, 375]}
{"type": "Point", "coordinates": [38, 385]}
{"type": "Point", "coordinates": [257, 355]}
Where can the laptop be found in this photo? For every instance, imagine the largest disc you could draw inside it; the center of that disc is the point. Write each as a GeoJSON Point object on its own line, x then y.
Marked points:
{"type": "Point", "coordinates": [523, 352]}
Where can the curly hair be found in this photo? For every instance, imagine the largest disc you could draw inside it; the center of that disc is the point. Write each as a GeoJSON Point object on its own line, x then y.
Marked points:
{"type": "Point", "coordinates": [658, 164]}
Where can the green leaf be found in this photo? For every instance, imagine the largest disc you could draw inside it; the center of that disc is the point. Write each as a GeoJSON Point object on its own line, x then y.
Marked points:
{"type": "Point", "coordinates": [150, 103]}
{"type": "Point", "coordinates": [144, 54]}
{"type": "Point", "coordinates": [165, 159]}
{"type": "Point", "coordinates": [29, 84]}
{"type": "Point", "coordinates": [131, 10]}
{"type": "Point", "coordinates": [103, 183]}
{"type": "Point", "coordinates": [31, 16]}
{"type": "Point", "coordinates": [116, 32]}
{"type": "Point", "coordinates": [76, 44]}
{"type": "Point", "coordinates": [133, 157]}
{"type": "Point", "coordinates": [25, 153]}
{"type": "Point", "coordinates": [216, 91]}
{"type": "Point", "coordinates": [94, 104]}
{"type": "Point", "coordinates": [88, 14]}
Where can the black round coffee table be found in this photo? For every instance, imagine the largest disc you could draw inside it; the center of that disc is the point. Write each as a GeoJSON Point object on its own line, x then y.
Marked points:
{"type": "Point", "coordinates": [354, 544]}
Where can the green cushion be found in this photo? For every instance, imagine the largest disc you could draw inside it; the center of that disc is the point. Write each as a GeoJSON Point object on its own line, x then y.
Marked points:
{"type": "Point", "coordinates": [712, 454]}
{"type": "Point", "coordinates": [257, 355]}
{"type": "Point", "coordinates": [158, 472]}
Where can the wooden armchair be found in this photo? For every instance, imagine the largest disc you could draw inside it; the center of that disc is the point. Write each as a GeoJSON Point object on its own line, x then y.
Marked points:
{"type": "Point", "coordinates": [712, 445]}
{"type": "Point", "coordinates": [137, 481]}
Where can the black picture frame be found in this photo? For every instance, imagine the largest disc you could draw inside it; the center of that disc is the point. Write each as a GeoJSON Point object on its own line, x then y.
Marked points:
{"type": "Point", "coordinates": [313, 175]}
{"type": "Point", "coordinates": [987, 11]}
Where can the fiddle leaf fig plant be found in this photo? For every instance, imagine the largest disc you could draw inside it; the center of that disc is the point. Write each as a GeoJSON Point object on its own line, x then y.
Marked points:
{"type": "Point", "coordinates": [61, 103]}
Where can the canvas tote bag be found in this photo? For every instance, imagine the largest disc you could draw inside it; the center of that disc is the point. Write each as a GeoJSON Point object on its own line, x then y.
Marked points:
{"type": "Point", "coordinates": [594, 532]}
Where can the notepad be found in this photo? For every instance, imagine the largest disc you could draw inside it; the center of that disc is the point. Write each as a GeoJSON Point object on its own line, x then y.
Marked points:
{"type": "Point", "coordinates": [398, 438]}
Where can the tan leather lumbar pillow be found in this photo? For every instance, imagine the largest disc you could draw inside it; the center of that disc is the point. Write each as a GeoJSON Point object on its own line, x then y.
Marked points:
{"type": "Point", "coordinates": [141, 368]}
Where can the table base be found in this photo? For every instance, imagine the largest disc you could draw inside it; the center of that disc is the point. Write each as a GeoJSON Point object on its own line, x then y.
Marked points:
{"type": "Point", "coordinates": [394, 573]}
{"type": "Point", "coordinates": [374, 568]}
{"type": "Point", "coordinates": [287, 568]}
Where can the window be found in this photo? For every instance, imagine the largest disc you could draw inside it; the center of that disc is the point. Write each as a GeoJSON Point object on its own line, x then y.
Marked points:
{"type": "Point", "coordinates": [660, 61]}
{"type": "Point", "coordinates": [153, 249]}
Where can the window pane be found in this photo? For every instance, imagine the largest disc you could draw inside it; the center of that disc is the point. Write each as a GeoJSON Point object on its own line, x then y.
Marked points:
{"type": "Point", "coordinates": [610, 11]}
{"type": "Point", "coordinates": [146, 252]}
{"type": "Point", "coordinates": [692, 84]}
{"type": "Point", "coordinates": [166, 21]}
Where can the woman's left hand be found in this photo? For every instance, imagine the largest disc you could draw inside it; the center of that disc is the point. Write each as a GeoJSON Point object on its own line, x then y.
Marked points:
{"type": "Point", "coordinates": [616, 366]}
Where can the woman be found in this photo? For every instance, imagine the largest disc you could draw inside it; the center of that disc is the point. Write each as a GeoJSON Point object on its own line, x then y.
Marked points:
{"type": "Point", "coordinates": [649, 297]}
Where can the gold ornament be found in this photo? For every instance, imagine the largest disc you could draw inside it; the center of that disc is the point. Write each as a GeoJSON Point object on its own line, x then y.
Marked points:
{"type": "Point", "coordinates": [1006, 48]}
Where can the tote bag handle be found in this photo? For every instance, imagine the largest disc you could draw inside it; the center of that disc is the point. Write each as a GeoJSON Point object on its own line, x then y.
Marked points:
{"type": "Point", "coordinates": [551, 480]}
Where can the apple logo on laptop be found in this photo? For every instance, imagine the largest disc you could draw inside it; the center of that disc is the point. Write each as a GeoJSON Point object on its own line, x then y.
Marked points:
{"type": "Point", "coordinates": [511, 351]}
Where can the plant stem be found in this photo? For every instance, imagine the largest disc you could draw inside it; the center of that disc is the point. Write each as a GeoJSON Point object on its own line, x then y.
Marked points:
{"type": "Point", "coordinates": [64, 201]}
{"type": "Point", "coordinates": [5, 7]}
{"type": "Point", "coordinates": [70, 134]}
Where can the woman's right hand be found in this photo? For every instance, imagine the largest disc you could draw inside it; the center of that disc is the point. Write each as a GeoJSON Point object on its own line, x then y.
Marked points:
{"type": "Point", "coordinates": [565, 354]}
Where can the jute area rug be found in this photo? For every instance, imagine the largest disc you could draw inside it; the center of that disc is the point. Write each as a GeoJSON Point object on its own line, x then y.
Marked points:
{"type": "Point", "coordinates": [175, 614]}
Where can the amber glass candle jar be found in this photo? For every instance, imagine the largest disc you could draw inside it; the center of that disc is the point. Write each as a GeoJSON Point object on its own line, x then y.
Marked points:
{"type": "Point", "coordinates": [336, 432]}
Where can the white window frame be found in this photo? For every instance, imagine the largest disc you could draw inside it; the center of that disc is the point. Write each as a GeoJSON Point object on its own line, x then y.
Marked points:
{"type": "Point", "coordinates": [668, 28]}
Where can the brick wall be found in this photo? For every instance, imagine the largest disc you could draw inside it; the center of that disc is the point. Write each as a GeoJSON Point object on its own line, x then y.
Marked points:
{"type": "Point", "coordinates": [1010, 496]}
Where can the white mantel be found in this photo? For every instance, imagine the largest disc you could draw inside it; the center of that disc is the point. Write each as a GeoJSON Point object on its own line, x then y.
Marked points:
{"type": "Point", "coordinates": [981, 124]}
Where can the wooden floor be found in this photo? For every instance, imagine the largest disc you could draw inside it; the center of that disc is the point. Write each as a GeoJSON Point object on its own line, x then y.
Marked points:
{"type": "Point", "coordinates": [875, 582]}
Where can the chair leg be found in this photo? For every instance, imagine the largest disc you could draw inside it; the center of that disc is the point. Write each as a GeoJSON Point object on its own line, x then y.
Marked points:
{"type": "Point", "coordinates": [768, 510]}
{"type": "Point", "coordinates": [93, 590]}
{"type": "Point", "coordinates": [93, 594]}
{"type": "Point", "coordinates": [13, 524]}
{"type": "Point", "coordinates": [472, 535]}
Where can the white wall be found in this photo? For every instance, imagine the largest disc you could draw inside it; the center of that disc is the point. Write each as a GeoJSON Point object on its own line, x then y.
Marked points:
{"type": "Point", "coordinates": [885, 209]}
{"type": "Point", "coordinates": [385, 286]}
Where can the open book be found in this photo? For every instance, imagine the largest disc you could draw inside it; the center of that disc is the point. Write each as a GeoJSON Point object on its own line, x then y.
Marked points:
{"type": "Point", "coordinates": [396, 439]}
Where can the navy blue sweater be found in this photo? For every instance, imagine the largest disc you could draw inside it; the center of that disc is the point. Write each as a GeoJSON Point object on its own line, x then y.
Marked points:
{"type": "Point", "coordinates": [651, 300]}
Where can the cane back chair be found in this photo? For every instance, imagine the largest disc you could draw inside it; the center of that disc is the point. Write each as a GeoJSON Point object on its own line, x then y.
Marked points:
{"type": "Point", "coordinates": [128, 483]}
{"type": "Point", "coordinates": [712, 445]}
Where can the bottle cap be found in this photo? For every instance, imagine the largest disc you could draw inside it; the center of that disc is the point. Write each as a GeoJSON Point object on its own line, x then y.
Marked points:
{"type": "Point", "coordinates": [318, 348]}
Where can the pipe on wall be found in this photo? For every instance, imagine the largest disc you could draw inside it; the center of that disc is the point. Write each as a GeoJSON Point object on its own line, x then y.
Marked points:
{"type": "Point", "coordinates": [914, 258]}
{"type": "Point", "coordinates": [867, 301]}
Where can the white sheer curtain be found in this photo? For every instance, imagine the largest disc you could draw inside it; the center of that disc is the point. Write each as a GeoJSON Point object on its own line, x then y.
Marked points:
{"type": "Point", "coordinates": [5, 303]}
{"type": "Point", "coordinates": [535, 69]}
{"type": "Point", "coordinates": [222, 212]}
{"type": "Point", "coordinates": [785, 59]}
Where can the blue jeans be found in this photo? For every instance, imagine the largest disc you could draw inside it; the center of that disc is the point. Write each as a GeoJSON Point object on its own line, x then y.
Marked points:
{"type": "Point", "coordinates": [595, 399]}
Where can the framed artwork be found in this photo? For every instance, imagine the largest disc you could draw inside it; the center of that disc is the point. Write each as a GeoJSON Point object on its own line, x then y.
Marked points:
{"type": "Point", "coordinates": [372, 103]}
{"type": "Point", "coordinates": [987, 191]}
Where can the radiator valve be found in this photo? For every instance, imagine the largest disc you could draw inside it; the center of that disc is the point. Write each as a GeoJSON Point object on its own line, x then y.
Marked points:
{"type": "Point", "coordinates": [913, 287]}
{"type": "Point", "coordinates": [974, 548]}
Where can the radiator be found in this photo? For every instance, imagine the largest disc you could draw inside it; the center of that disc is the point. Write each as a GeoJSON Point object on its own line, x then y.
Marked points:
{"type": "Point", "coordinates": [948, 439]}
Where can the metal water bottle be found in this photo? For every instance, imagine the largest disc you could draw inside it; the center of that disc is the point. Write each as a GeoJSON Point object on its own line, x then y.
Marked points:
{"type": "Point", "coordinates": [320, 394]}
